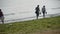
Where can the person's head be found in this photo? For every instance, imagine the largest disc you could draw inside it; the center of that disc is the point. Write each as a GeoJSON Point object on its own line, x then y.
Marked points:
{"type": "Point", "coordinates": [44, 6]}
{"type": "Point", "coordinates": [37, 5]}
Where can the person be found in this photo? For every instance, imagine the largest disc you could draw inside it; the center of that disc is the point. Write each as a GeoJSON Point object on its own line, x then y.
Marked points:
{"type": "Point", "coordinates": [1, 16]}
{"type": "Point", "coordinates": [37, 11]}
{"type": "Point", "coordinates": [44, 11]}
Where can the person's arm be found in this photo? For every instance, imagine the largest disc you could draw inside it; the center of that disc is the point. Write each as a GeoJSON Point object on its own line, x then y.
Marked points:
{"type": "Point", "coordinates": [45, 11]}
{"type": "Point", "coordinates": [2, 13]}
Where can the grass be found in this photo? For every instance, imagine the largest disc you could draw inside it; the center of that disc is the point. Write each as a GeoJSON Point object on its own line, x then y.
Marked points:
{"type": "Point", "coordinates": [27, 27]}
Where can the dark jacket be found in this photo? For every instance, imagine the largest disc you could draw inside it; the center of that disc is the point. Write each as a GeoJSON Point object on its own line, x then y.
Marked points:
{"type": "Point", "coordinates": [1, 14]}
{"type": "Point", "coordinates": [37, 10]}
{"type": "Point", "coordinates": [43, 10]}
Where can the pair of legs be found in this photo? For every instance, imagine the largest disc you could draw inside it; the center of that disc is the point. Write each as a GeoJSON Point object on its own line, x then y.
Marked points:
{"type": "Point", "coordinates": [43, 15]}
{"type": "Point", "coordinates": [2, 19]}
{"type": "Point", "coordinates": [37, 15]}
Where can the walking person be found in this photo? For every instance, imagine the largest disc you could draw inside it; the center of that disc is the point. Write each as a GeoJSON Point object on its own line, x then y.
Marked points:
{"type": "Point", "coordinates": [37, 11]}
{"type": "Point", "coordinates": [44, 11]}
{"type": "Point", "coordinates": [1, 16]}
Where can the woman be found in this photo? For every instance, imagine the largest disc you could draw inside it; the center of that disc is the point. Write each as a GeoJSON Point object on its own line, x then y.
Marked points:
{"type": "Point", "coordinates": [44, 11]}
{"type": "Point", "coordinates": [37, 11]}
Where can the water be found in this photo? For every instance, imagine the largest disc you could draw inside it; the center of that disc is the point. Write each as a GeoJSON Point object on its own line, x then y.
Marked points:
{"type": "Point", "coordinates": [20, 10]}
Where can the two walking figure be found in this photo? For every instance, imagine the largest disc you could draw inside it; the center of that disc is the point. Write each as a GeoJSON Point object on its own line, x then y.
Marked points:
{"type": "Point", "coordinates": [38, 11]}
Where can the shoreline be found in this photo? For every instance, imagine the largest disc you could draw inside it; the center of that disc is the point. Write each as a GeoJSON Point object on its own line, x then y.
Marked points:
{"type": "Point", "coordinates": [30, 18]}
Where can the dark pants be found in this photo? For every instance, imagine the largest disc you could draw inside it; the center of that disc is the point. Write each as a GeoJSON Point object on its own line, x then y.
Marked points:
{"type": "Point", "coordinates": [37, 15]}
{"type": "Point", "coordinates": [2, 19]}
{"type": "Point", "coordinates": [44, 14]}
